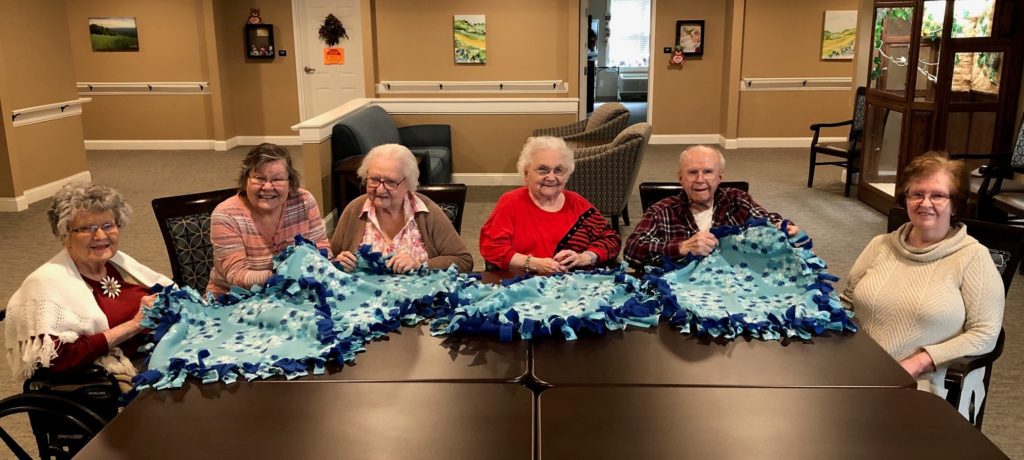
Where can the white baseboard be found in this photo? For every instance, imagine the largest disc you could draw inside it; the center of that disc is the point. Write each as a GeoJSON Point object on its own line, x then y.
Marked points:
{"type": "Point", "coordinates": [495, 179]}
{"type": "Point", "coordinates": [776, 142]}
{"type": "Point", "coordinates": [189, 144]}
{"type": "Point", "coordinates": [42, 192]}
{"type": "Point", "coordinates": [684, 139]}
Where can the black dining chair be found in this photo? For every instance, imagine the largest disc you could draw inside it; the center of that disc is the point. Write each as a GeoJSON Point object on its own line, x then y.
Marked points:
{"type": "Point", "coordinates": [653, 192]}
{"type": "Point", "coordinates": [451, 198]}
{"type": "Point", "coordinates": [849, 151]}
{"type": "Point", "coordinates": [1006, 245]}
{"type": "Point", "coordinates": [184, 222]}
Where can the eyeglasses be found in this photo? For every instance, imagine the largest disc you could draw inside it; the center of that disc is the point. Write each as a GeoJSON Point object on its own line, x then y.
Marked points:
{"type": "Point", "coordinates": [261, 181]}
{"type": "Point", "coordinates": [107, 228]}
{"type": "Point", "coordinates": [695, 173]}
{"type": "Point", "coordinates": [936, 198]}
{"type": "Point", "coordinates": [544, 170]}
{"type": "Point", "coordinates": [390, 185]}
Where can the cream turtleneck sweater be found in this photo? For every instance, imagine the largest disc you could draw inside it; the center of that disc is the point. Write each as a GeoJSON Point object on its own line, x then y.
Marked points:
{"type": "Point", "coordinates": [946, 299]}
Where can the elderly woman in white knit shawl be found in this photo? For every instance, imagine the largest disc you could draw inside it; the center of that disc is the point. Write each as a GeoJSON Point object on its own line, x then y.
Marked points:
{"type": "Point", "coordinates": [85, 302]}
{"type": "Point", "coordinates": [928, 292]}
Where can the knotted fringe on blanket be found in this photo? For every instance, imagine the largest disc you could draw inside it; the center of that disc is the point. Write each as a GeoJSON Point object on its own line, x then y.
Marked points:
{"type": "Point", "coordinates": [757, 282]}
{"type": "Point", "coordinates": [308, 313]}
{"type": "Point", "coordinates": [563, 304]}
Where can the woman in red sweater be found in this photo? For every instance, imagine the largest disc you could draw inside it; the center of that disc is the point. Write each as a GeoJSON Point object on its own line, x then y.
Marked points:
{"type": "Point", "coordinates": [542, 227]}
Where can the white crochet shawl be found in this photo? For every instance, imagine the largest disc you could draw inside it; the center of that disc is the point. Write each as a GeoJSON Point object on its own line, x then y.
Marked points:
{"type": "Point", "coordinates": [55, 301]}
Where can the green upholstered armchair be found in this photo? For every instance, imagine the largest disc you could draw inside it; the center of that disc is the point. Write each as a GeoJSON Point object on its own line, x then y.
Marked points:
{"type": "Point", "coordinates": [605, 174]}
{"type": "Point", "coordinates": [603, 125]}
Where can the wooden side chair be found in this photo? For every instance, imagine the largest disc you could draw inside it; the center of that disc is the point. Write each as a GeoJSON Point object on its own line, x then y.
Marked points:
{"type": "Point", "coordinates": [185, 225]}
{"type": "Point", "coordinates": [451, 198]}
{"type": "Point", "coordinates": [849, 151]}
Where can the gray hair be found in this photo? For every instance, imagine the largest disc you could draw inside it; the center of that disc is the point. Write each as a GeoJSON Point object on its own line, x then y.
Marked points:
{"type": "Point", "coordinates": [536, 144]}
{"type": "Point", "coordinates": [721, 157]}
{"type": "Point", "coordinates": [83, 196]}
{"type": "Point", "coordinates": [401, 153]}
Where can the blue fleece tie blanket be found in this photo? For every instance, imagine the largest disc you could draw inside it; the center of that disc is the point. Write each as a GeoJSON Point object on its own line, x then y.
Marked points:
{"type": "Point", "coordinates": [758, 283]}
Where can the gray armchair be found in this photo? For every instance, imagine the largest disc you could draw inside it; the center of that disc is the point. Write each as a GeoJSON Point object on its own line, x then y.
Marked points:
{"type": "Point", "coordinates": [603, 125]}
{"type": "Point", "coordinates": [605, 174]}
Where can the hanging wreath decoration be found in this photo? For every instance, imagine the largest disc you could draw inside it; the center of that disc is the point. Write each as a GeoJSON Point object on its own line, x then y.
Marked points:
{"type": "Point", "coordinates": [332, 31]}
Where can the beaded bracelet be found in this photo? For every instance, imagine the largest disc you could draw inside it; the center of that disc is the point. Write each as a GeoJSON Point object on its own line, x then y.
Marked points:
{"type": "Point", "coordinates": [526, 266]}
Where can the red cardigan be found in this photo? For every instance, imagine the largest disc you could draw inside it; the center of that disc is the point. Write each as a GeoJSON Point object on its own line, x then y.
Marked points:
{"type": "Point", "coordinates": [517, 225]}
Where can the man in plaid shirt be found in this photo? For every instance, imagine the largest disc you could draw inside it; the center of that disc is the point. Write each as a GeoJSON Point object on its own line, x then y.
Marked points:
{"type": "Point", "coordinates": [678, 226]}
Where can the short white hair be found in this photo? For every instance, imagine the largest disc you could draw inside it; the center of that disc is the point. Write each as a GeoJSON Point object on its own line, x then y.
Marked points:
{"type": "Point", "coordinates": [401, 153]}
{"type": "Point", "coordinates": [721, 157]}
{"type": "Point", "coordinates": [536, 144]}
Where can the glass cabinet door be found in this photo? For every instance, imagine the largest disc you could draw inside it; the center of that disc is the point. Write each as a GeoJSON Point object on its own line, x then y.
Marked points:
{"type": "Point", "coordinates": [890, 52]}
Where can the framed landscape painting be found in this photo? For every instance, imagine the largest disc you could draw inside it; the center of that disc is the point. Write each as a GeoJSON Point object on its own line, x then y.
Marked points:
{"type": "Point", "coordinates": [470, 39]}
{"type": "Point", "coordinates": [838, 34]}
{"type": "Point", "coordinates": [113, 34]}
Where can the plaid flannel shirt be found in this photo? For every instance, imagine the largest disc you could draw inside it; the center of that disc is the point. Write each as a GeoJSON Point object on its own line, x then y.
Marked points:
{"type": "Point", "coordinates": [669, 222]}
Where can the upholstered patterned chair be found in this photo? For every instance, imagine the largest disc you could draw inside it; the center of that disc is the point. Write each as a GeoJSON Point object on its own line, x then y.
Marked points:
{"type": "Point", "coordinates": [603, 125]}
{"type": "Point", "coordinates": [849, 151]}
{"type": "Point", "coordinates": [185, 225]}
{"type": "Point", "coordinates": [605, 174]}
{"type": "Point", "coordinates": [451, 198]}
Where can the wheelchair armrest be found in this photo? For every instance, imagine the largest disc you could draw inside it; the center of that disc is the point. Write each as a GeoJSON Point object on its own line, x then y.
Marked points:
{"type": "Point", "coordinates": [956, 372]}
{"type": "Point", "coordinates": [426, 136]}
{"type": "Point", "coordinates": [45, 378]}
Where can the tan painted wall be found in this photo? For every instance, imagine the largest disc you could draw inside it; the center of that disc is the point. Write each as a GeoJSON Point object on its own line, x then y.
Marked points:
{"type": "Point", "coordinates": [689, 99]}
{"type": "Point", "coordinates": [790, 113]}
{"type": "Point", "coordinates": [793, 50]}
{"type": "Point", "coordinates": [262, 95]}
{"type": "Point", "coordinates": [526, 40]}
{"type": "Point", "coordinates": [171, 48]}
{"type": "Point", "coordinates": [36, 69]}
{"type": "Point", "coordinates": [487, 143]}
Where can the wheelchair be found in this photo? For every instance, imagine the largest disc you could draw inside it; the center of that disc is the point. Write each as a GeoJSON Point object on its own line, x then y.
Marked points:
{"type": "Point", "coordinates": [64, 411]}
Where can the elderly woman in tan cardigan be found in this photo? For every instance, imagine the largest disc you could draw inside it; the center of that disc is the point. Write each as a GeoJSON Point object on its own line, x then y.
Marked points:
{"type": "Point", "coordinates": [395, 220]}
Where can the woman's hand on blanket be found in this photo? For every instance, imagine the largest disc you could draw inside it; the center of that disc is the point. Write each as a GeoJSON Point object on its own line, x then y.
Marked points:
{"type": "Point", "coordinates": [546, 265]}
{"type": "Point", "coordinates": [347, 260]}
{"type": "Point", "coordinates": [569, 258]}
{"type": "Point", "coordinates": [918, 363]}
{"type": "Point", "coordinates": [791, 230]}
{"type": "Point", "coordinates": [148, 301]}
{"type": "Point", "coordinates": [700, 244]}
{"type": "Point", "coordinates": [403, 262]}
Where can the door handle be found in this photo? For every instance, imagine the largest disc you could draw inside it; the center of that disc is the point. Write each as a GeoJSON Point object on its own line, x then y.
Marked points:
{"type": "Point", "coordinates": [309, 69]}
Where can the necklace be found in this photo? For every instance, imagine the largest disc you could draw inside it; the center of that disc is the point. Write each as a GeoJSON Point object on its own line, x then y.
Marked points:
{"type": "Point", "coordinates": [111, 288]}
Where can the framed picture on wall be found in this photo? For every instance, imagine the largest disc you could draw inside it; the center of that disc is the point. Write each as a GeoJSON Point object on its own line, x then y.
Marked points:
{"type": "Point", "coordinates": [259, 41]}
{"type": "Point", "coordinates": [470, 38]}
{"type": "Point", "coordinates": [690, 36]}
{"type": "Point", "coordinates": [113, 34]}
{"type": "Point", "coordinates": [838, 34]}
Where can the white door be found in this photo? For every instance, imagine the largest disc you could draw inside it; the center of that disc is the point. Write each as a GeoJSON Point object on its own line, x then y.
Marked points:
{"type": "Point", "coordinates": [324, 87]}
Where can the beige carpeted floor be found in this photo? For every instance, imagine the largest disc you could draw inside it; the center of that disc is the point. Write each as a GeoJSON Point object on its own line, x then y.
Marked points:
{"type": "Point", "coordinates": [840, 227]}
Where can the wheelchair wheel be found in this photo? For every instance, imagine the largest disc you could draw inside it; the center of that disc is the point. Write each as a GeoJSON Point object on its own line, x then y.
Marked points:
{"type": "Point", "coordinates": [61, 426]}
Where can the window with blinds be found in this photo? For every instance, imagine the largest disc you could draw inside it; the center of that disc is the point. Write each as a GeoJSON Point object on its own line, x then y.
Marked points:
{"type": "Point", "coordinates": [629, 33]}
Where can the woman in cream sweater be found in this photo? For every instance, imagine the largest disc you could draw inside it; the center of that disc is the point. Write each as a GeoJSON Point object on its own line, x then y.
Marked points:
{"type": "Point", "coordinates": [928, 293]}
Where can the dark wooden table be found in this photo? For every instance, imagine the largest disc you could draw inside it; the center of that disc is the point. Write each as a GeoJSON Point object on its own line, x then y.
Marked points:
{"type": "Point", "coordinates": [664, 357]}
{"type": "Point", "coordinates": [743, 423]}
{"type": "Point", "coordinates": [411, 354]}
{"type": "Point", "coordinates": [341, 420]}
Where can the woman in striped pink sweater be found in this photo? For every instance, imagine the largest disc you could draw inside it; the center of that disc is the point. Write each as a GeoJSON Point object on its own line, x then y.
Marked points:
{"type": "Point", "coordinates": [250, 228]}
